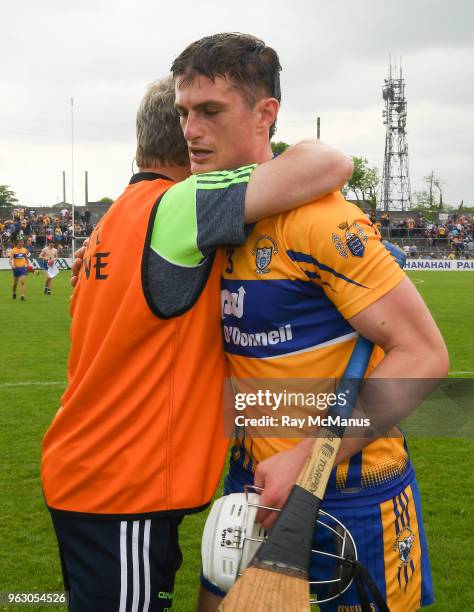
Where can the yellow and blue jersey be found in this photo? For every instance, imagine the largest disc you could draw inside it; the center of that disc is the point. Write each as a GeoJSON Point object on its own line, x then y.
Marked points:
{"type": "Point", "coordinates": [20, 257]}
{"type": "Point", "coordinates": [286, 299]}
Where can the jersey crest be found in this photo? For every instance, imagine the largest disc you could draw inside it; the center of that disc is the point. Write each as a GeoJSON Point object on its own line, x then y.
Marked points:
{"type": "Point", "coordinates": [264, 249]}
{"type": "Point", "coordinates": [355, 240]}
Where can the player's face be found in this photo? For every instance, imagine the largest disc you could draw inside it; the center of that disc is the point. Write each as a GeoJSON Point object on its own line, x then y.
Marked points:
{"type": "Point", "coordinates": [219, 126]}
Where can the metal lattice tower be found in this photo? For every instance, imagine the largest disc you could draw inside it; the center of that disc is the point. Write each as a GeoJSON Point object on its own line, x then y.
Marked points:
{"type": "Point", "coordinates": [395, 193]}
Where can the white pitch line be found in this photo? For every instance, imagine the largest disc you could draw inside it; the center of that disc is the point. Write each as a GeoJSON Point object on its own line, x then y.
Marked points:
{"type": "Point", "coordinates": [54, 383]}
{"type": "Point", "coordinates": [36, 384]}
{"type": "Point", "coordinates": [455, 373]}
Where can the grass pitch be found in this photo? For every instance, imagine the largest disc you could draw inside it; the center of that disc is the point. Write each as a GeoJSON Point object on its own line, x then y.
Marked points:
{"type": "Point", "coordinates": [34, 346]}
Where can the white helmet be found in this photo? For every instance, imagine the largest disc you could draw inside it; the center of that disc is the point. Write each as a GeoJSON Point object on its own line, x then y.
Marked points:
{"type": "Point", "coordinates": [231, 538]}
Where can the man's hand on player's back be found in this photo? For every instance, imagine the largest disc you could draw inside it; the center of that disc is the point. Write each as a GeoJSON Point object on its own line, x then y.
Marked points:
{"type": "Point", "coordinates": [77, 264]}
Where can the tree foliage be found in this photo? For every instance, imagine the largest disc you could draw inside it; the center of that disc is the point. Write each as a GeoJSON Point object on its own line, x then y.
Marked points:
{"type": "Point", "coordinates": [106, 200]}
{"type": "Point", "coordinates": [7, 197]}
{"type": "Point", "coordinates": [363, 182]}
{"type": "Point", "coordinates": [279, 147]}
{"type": "Point", "coordinates": [431, 197]}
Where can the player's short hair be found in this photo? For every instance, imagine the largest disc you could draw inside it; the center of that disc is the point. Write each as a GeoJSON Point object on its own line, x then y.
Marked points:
{"type": "Point", "coordinates": [253, 68]}
{"type": "Point", "coordinates": [159, 135]}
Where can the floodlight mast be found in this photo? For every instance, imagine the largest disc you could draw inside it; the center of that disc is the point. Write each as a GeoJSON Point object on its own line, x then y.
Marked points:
{"type": "Point", "coordinates": [395, 193]}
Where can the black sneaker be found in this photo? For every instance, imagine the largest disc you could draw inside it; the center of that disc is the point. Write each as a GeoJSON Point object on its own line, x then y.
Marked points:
{"type": "Point", "coordinates": [22, 298]}
{"type": "Point", "coordinates": [14, 296]}
{"type": "Point", "coordinates": [46, 290]}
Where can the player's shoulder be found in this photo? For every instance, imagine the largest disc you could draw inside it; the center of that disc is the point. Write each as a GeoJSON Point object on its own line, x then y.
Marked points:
{"type": "Point", "coordinates": [331, 209]}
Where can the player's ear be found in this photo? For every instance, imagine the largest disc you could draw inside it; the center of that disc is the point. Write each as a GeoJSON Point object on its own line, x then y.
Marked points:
{"type": "Point", "coordinates": [266, 110]}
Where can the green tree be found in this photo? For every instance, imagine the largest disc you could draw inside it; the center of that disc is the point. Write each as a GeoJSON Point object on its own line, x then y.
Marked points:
{"type": "Point", "coordinates": [279, 147]}
{"type": "Point", "coordinates": [106, 200]}
{"type": "Point", "coordinates": [363, 182]}
{"type": "Point", "coordinates": [7, 200]}
{"type": "Point", "coordinates": [431, 197]}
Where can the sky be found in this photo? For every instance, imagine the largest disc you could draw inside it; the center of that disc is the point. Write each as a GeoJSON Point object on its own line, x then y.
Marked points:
{"type": "Point", "coordinates": [335, 56]}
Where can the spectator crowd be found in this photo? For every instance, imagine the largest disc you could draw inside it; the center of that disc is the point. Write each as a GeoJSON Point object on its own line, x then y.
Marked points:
{"type": "Point", "coordinates": [37, 229]}
{"type": "Point", "coordinates": [452, 237]}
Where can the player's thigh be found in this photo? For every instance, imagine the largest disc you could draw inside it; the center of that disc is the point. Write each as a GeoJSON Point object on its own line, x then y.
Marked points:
{"type": "Point", "coordinates": [391, 544]}
{"type": "Point", "coordinates": [113, 565]}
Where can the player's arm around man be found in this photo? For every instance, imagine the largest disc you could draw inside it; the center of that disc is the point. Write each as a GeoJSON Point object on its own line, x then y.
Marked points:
{"type": "Point", "coordinates": [306, 171]}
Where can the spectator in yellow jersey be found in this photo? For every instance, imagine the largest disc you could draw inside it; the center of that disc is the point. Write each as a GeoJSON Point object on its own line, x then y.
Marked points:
{"type": "Point", "coordinates": [19, 265]}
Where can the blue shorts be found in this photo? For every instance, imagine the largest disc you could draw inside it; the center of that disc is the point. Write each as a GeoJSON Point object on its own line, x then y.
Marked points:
{"type": "Point", "coordinates": [390, 541]}
{"type": "Point", "coordinates": [17, 272]}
